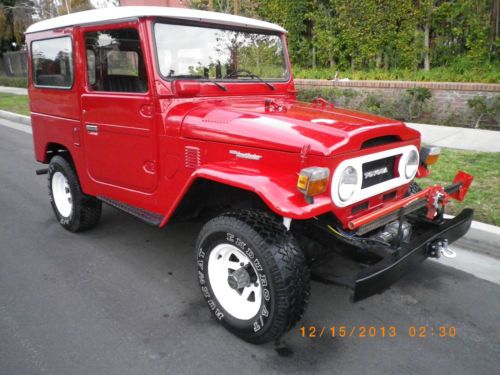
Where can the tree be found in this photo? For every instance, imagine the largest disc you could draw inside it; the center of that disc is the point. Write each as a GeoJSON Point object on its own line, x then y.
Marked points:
{"type": "Point", "coordinates": [292, 16]}
{"type": "Point", "coordinates": [247, 8]}
{"type": "Point", "coordinates": [72, 6]}
{"type": "Point", "coordinates": [494, 28]}
{"type": "Point", "coordinates": [407, 34]}
{"type": "Point", "coordinates": [15, 17]}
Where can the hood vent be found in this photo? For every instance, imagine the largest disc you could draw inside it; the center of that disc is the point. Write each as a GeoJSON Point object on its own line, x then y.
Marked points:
{"type": "Point", "coordinates": [379, 141]}
{"type": "Point", "coordinates": [192, 157]}
{"type": "Point", "coordinates": [220, 116]}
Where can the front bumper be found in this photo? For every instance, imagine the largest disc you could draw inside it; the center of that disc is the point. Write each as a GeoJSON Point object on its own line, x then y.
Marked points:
{"type": "Point", "coordinates": [382, 274]}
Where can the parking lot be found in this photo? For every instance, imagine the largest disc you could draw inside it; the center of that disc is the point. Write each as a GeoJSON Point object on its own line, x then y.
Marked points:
{"type": "Point", "coordinates": [123, 299]}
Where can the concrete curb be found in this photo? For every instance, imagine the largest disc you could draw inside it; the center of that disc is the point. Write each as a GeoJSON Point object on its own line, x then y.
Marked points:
{"type": "Point", "coordinates": [481, 238]}
{"type": "Point", "coordinates": [14, 117]}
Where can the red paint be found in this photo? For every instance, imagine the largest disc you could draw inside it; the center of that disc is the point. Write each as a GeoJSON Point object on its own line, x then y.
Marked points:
{"type": "Point", "coordinates": [137, 155]}
{"type": "Point", "coordinates": [466, 180]}
{"type": "Point", "coordinates": [387, 209]}
{"type": "Point", "coordinates": [423, 171]}
{"type": "Point", "coordinates": [435, 196]}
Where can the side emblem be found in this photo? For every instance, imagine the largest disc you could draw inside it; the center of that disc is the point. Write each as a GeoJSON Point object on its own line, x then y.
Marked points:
{"type": "Point", "coordinates": [245, 155]}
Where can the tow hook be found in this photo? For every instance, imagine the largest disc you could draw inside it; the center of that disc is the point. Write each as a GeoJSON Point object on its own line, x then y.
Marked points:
{"type": "Point", "coordinates": [440, 247]}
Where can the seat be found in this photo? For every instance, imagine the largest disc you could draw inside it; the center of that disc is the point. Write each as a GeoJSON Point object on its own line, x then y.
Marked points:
{"type": "Point", "coordinates": [124, 83]}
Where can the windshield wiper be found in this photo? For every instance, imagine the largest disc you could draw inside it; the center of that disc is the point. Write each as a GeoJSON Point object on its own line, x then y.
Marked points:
{"type": "Point", "coordinates": [197, 77]}
{"type": "Point", "coordinates": [219, 85]}
{"type": "Point", "coordinates": [247, 73]}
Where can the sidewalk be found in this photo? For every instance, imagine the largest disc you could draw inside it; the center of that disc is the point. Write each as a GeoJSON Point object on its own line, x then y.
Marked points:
{"type": "Point", "coordinates": [13, 90]}
{"type": "Point", "coordinates": [459, 138]}
{"type": "Point", "coordinates": [435, 135]}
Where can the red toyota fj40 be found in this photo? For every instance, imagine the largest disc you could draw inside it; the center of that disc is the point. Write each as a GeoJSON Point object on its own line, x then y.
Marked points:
{"type": "Point", "coordinates": [178, 114]}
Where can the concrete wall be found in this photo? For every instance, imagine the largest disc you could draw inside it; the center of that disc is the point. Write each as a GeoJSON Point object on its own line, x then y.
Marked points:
{"type": "Point", "coordinates": [448, 105]}
{"type": "Point", "coordinates": [14, 64]}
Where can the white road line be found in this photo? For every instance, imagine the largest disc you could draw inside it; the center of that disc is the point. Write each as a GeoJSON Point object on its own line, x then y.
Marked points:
{"type": "Point", "coordinates": [15, 125]}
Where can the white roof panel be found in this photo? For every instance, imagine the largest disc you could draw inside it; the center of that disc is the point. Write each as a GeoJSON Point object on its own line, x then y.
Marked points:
{"type": "Point", "coordinates": [111, 14]}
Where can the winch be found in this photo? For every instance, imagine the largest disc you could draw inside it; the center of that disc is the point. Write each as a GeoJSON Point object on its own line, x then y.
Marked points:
{"type": "Point", "coordinates": [391, 232]}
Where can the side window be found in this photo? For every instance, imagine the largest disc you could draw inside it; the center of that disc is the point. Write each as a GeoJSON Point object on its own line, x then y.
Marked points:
{"type": "Point", "coordinates": [52, 61]}
{"type": "Point", "coordinates": [115, 61]}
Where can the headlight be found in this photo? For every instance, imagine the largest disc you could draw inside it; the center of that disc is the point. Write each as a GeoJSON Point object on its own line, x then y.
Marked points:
{"type": "Point", "coordinates": [411, 165]}
{"type": "Point", "coordinates": [348, 183]}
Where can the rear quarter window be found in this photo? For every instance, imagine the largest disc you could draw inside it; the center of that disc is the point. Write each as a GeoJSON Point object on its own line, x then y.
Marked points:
{"type": "Point", "coordinates": [52, 61]}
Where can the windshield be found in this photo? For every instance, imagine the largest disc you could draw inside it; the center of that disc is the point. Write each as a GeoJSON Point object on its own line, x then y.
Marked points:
{"type": "Point", "coordinates": [207, 53]}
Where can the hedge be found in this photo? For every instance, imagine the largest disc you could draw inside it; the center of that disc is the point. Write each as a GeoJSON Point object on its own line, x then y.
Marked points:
{"type": "Point", "coordinates": [14, 81]}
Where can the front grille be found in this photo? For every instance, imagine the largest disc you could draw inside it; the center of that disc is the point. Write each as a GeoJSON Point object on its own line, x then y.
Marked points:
{"type": "Point", "coordinates": [377, 171]}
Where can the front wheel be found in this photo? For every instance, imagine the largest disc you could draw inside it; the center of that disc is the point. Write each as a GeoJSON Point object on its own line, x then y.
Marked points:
{"type": "Point", "coordinates": [74, 210]}
{"type": "Point", "coordinates": [252, 274]}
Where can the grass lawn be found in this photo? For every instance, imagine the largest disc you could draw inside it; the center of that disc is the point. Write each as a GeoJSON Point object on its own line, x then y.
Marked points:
{"type": "Point", "coordinates": [484, 194]}
{"type": "Point", "coordinates": [15, 103]}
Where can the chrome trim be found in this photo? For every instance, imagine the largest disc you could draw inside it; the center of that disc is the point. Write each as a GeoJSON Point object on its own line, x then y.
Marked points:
{"type": "Point", "coordinates": [245, 155]}
{"type": "Point", "coordinates": [368, 192]}
{"type": "Point", "coordinates": [92, 129]}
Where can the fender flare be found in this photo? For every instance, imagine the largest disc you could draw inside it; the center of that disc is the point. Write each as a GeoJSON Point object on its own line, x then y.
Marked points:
{"type": "Point", "coordinates": [279, 195]}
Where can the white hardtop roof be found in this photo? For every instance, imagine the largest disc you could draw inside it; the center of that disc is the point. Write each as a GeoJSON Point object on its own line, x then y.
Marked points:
{"type": "Point", "coordinates": [111, 14]}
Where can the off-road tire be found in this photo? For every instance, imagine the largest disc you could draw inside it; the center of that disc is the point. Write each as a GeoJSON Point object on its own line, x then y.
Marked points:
{"type": "Point", "coordinates": [85, 210]}
{"type": "Point", "coordinates": [283, 265]}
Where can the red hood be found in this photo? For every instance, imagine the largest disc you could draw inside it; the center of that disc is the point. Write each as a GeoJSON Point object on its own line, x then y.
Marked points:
{"type": "Point", "coordinates": [289, 127]}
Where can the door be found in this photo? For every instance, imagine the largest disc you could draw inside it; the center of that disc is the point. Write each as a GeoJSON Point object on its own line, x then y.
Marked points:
{"type": "Point", "coordinates": [117, 111]}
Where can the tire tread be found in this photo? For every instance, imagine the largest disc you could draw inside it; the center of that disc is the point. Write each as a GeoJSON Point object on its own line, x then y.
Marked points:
{"type": "Point", "coordinates": [290, 271]}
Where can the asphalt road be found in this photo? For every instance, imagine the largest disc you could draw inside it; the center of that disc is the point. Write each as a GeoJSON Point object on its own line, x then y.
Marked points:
{"type": "Point", "coordinates": [123, 299]}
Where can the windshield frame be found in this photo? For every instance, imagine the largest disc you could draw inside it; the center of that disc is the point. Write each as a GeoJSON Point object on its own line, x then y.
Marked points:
{"type": "Point", "coordinates": [170, 21]}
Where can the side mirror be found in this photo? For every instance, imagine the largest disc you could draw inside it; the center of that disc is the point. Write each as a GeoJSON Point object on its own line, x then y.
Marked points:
{"type": "Point", "coordinates": [187, 88]}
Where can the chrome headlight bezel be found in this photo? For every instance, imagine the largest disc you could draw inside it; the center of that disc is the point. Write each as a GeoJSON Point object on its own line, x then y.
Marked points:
{"type": "Point", "coordinates": [348, 183]}
{"type": "Point", "coordinates": [412, 162]}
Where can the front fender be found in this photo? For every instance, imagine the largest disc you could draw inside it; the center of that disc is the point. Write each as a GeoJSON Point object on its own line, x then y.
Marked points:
{"type": "Point", "coordinates": [278, 193]}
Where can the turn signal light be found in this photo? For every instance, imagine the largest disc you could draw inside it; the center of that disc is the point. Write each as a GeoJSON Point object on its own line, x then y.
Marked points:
{"type": "Point", "coordinates": [313, 181]}
{"type": "Point", "coordinates": [429, 155]}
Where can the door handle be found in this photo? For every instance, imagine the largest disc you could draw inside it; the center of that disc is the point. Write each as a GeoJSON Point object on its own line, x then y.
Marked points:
{"type": "Point", "coordinates": [92, 129]}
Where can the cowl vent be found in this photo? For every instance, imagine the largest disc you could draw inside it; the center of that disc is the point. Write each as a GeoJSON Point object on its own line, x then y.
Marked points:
{"type": "Point", "coordinates": [192, 157]}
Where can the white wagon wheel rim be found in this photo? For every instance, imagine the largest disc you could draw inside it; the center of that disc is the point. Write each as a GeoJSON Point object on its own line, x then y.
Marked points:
{"type": "Point", "coordinates": [62, 194]}
{"type": "Point", "coordinates": [242, 301]}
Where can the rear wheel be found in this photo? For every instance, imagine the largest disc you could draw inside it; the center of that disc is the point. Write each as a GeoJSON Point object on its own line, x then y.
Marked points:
{"type": "Point", "coordinates": [252, 274]}
{"type": "Point", "coordinates": [74, 210]}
